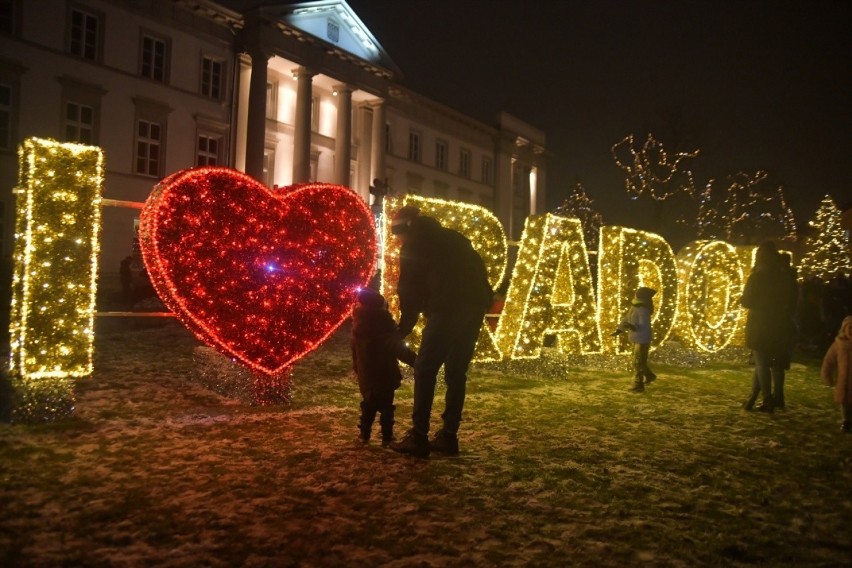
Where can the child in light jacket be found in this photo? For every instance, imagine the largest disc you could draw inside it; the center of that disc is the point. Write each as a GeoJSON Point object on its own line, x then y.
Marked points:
{"type": "Point", "coordinates": [837, 371]}
{"type": "Point", "coordinates": [637, 324]}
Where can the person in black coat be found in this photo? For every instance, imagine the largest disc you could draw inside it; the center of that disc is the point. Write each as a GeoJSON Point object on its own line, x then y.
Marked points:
{"type": "Point", "coordinates": [376, 347]}
{"type": "Point", "coordinates": [770, 297]}
{"type": "Point", "coordinates": [442, 277]}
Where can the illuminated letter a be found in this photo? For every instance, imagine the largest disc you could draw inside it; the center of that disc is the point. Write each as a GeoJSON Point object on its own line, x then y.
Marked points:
{"type": "Point", "coordinates": [550, 293]}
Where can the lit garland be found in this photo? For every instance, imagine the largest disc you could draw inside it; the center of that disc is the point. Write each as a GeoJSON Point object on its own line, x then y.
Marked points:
{"type": "Point", "coordinates": [752, 210]}
{"type": "Point", "coordinates": [746, 255]}
{"type": "Point", "coordinates": [478, 224]}
{"type": "Point", "coordinates": [650, 171]}
{"type": "Point", "coordinates": [710, 284]}
{"type": "Point", "coordinates": [551, 292]}
{"type": "Point", "coordinates": [57, 233]}
{"type": "Point", "coordinates": [628, 259]}
{"type": "Point", "coordinates": [827, 252]}
{"type": "Point", "coordinates": [263, 276]}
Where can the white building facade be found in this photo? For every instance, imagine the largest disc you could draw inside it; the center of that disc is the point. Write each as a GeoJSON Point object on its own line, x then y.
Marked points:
{"type": "Point", "coordinates": [287, 92]}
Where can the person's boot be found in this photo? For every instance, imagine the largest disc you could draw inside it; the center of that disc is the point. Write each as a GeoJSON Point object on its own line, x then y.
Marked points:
{"type": "Point", "coordinates": [387, 423]}
{"type": "Point", "coordinates": [365, 424]}
{"type": "Point", "coordinates": [766, 405]}
{"type": "Point", "coordinates": [412, 444]}
{"type": "Point", "coordinates": [637, 386]}
{"type": "Point", "coordinates": [445, 442]}
{"type": "Point", "coordinates": [650, 378]}
{"type": "Point", "coordinates": [749, 403]}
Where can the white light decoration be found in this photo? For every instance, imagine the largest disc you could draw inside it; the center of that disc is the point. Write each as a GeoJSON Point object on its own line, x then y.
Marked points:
{"type": "Point", "coordinates": [827, 250]}
{"type": "Point", "coordinates": [478, 224]}
{"type": "Point", "coordinates": [550, 293]}
{"type": "Point", "coordinates": [57, 232]}
{"type": "Point", "coordinates": [628, 259]}
{"type": "Point", "coordinates": [710, 284]}
{"type": "Point", "coordinates": [745, 254]}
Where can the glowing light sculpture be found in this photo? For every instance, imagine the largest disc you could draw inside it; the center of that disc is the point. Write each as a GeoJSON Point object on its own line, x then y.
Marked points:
{"type": "Point", "coordinates": [827, 253]}
{"type": "Point", "coordinates": [627, 259]}
{"type": "Point", "coordinates": [551, 292]}
{"type": "Point", "coordinates": [262, 276]}
{"type": "Point", "coordinates": [57, 232]}
{"type": "Point", "coordinates": [478, 224]}
{"type": "Point", "coordinates": [710, 285]}
{"type": "Point", "coordinates": [745, 254]}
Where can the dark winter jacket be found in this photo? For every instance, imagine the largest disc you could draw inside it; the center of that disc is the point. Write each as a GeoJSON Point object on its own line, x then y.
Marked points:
{"type": "Point", "coordinates": [376, 347]}
{"type": "Point", "coordinates": [439, 272]}
{"type": "Point", "coordinates": [770, 295]}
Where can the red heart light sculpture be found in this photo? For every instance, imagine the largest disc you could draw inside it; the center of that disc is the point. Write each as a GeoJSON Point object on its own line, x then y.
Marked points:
{"type": "Point", "coordinates": [262, 276]}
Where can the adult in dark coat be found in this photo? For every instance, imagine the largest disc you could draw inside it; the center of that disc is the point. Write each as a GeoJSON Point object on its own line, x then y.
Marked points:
{"type": "Point", "coordinates": [442, 277]}
{"type": "Point", "coordinates": [376, 347]}
{"type": "Point", "coordinates": [770, 321]}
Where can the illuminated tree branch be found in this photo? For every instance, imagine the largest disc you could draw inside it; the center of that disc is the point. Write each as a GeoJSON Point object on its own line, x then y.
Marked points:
{"type": "Point", "coordinates": [650, 171]}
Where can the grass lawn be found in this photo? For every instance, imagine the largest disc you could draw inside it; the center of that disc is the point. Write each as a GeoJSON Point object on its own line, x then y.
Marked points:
{"type": "Point", "coordinates": [560, 466]}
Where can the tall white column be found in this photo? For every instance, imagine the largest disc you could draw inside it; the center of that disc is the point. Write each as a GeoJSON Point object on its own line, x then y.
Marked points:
{"type": "Point", "coordinates": [343, 137]}
{"type": "Point", "coordinates": [377, 152]}
{"type": "Point", "coordinates": [302, 127]}
{"type": "Point", "coordinates": [256, 120]}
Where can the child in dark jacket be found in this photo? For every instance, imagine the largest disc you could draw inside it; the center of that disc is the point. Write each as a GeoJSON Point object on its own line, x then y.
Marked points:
{"type": "Point", "coordinates": [376, 347]}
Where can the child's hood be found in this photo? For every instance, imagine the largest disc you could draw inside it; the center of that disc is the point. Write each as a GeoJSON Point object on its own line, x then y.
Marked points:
{"type": "Point", "coordinates": [370, 319]}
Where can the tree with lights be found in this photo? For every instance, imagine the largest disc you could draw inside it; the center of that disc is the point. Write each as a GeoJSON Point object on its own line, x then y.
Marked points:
{"type": "Point", "coordinates": [650, 171]}
{"type": "Point", "coordinates": [756, 210]}
{"type": "Point", "coordinates": [827, 252]}
{"type": "Point", "coordinates": [578, 205]}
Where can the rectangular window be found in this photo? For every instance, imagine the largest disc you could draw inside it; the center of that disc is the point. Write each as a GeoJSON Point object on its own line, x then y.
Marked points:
{"type": "Point", "coordinates": [212, 74]}
{"type": "Point", "coordinates": [79, 123]}
{"type": "Point", "coordinates": [464, 162]}
{"type": "Point", "coordinates": [149, 138]}
{"type": "Point", "coordinates": [441, 154]}
{"type": "Point", "coordinates": [315, 111]}
{"type": "Point", "coordinates": [9, 11]}
{"type": "Point", "coordinates": [5, 117]}
{"type": "Point", "coordinates": [414, 146]}
{"type": "Point", "coordinates": [272, 101]}
{"type": "Point", "coordinates": [268, 163]}
{"type": "Point", "coordinates": [388, 140]}
{"type": "Point", "coordinates": [207, 153]}
{"type": "Point", "coordinates": [84, 34]}
{"type": "Point", "coordinates": [487, 171]}
{"type": "Point", "coordinates": [154, 59]}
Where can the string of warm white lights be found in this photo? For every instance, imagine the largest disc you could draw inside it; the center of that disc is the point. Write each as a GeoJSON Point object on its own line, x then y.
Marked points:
{"type": "Point", "coordinates": [551, 292]}
{"type": "Point", "coordinates": [827, 251]}
{"type": "Point", "coordinates": [650, 171]}
{"type": "Point", "coordinates": [710, 283]}
{"type": "Point", "coordinates": [478, 224]}
{"type": "Point", "coordinates": [57, 236]}
{"type": "Point", "coordinates": [752, 210]}
{"type": "Point", "coordinates": [578, 205]}
{"type": "Point", "coordinates": [628, 259]}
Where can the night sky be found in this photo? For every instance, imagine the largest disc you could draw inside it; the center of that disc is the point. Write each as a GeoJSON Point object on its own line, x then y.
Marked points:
{"type": "Point", "coordinates": [754, 85]}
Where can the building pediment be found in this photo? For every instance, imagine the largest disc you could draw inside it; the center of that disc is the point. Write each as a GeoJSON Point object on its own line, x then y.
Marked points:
{"type": "Point", "coordinates": [333, 22]}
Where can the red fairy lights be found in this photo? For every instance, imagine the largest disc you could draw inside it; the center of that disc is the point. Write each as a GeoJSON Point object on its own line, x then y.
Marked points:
{"type": "Point", "coordinates": [262, 276]}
